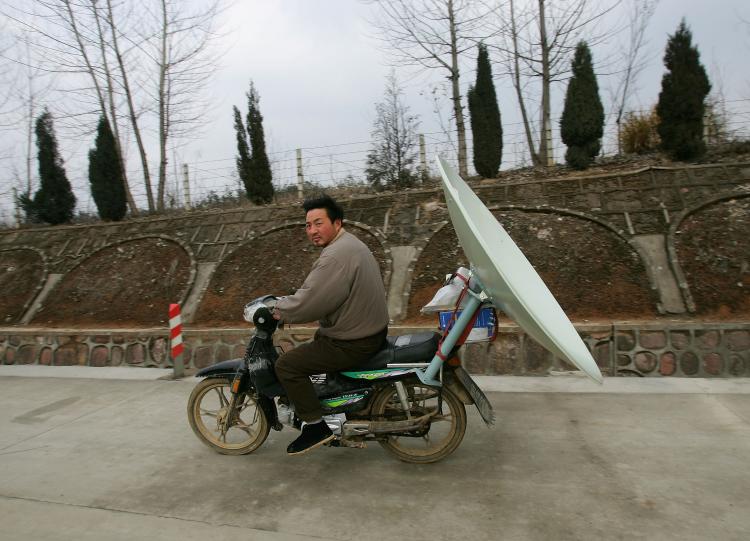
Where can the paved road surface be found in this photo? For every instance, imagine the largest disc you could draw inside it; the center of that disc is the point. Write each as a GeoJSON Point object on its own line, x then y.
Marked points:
{"type": "Point", "coordinates": [114, 459]}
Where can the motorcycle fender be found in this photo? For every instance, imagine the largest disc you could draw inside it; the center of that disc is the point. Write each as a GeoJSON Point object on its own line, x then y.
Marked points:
{"type": "Point", "coordinates": [457, 388]}
{"type": "Point", "coordinates": [224, 369]}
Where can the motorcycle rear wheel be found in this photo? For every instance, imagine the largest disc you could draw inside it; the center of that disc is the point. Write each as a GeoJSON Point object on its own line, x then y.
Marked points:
{"type": "Point", "coordinates": [444, 433]}
{"type": "Point", "coordinates": [208, 407]}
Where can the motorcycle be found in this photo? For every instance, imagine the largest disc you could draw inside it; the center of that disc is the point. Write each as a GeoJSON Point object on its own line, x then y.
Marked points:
{"type": "Point", "coordinates": [410, 397]}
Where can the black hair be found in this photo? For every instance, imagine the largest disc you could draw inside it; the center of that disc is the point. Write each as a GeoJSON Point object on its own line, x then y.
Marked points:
{"type": "Point", "coordinates": [333, 209]}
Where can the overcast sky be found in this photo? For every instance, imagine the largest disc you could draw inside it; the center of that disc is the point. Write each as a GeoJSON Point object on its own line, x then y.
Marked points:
{"type": "Point", "coordinates": [319, 72]}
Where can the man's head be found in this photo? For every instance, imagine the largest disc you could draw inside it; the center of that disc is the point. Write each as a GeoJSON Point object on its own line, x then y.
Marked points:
{"type": "Point", "coordinates": [323, 220]}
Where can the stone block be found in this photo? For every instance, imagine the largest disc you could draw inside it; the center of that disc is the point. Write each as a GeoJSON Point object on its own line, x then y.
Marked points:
{"type": "Point", "coordinates": [203, 357]}
{"type": "Point", "coordinates": [27, 354]}
{"type": "Point", "coordinates": [680, 339]}
{"type": "Point", "coordinates": [135, 354]}
{"type": "Point", "coordinates": [159, 350]}
{"type": "Point", "coordinates": [625, 340]}
{"type": "Point", "coordinates": [623, 360]}
{"type": "Point", "coordinates": [116, 355]}
{"type": "Point", "coordinates": [537, 359]}
{"type": "Point", "coordinates": [712, 363]}
{"type": "Point", "coordinates": [223, 353]}
{"type": "Point", "coordinates": [10, 356]}
{"type": "Point", "coordinates": [71, 354]}
{"type": "Point", "coordinates": [238, 351]}
{"type": "Point", "coordinates": [101, 339]}
{"type": "Point", "coordinates": [667, 363]}
{"type": "Point", "coordinates": [653, 339]}
{"type": "Point", "coordinates": [645, 361]}
{"type": "Point", "coordinates": [117, 339]}
{"type": "Point", "coordinates": [736, 365]}
{"type": "Point", "coordinates": [14, 340]}
{"type": "Point", "coordinates": [99, 356]}
{"type": "Point", "coordinates": [474, 358]}
{"type": "Point", "coordinates": [689, 363]}
{"type": "Point", "coordinates": [504, 355]}
{"type": "Point", "coordinates": [738, 340]}
{"type": "Point", "coordinates": [707, 339]}
{"type": "Point", "coordinates": [602, 354]}
{"type": "Point", "coordinates": [45, 357]}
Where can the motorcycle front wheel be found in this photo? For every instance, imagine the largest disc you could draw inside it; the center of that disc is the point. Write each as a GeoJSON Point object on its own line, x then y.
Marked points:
{"type": "Point", "coordinates": [208, 410]}
{"type": "Point", "coordinates": [439, 439]}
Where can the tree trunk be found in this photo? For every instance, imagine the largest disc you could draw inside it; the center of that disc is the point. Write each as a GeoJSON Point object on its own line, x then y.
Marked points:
{"type": "Point", "coordinates": [546, 156]}
{"type": "Point", "coordinates": [519, 92]}
{"type": "Point", "coordinates": [458, 109]}
{"type": "Point", "coordinates": [131, 109]}
{"type": "Point", "coordinates": [113, 112]}
{"type": "Point", "coordinates": [163, 110]}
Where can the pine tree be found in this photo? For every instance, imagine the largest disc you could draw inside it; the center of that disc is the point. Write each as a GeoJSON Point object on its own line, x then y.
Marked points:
{"type": "Point", "coordinates": [243, 152]}
{"type": "Point", "coordinates": [684, 88]}
{"type": "Point", "coordinates": [54, 201]}
{"type": "Point", "coordinates": [486, 126]}
{"type": "Point", "coordinates": [105, 174]}
{"type": "Point", "coordinates": [582, 122]}
{"type": "Point", "coordinates": [259, 173]}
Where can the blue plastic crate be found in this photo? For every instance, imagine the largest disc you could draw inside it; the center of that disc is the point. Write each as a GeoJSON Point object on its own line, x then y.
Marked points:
{"type": "Point", "coordinates": [483, 328]}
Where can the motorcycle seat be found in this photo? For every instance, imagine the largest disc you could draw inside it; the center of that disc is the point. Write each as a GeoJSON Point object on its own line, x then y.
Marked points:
{"type": "Point", "coordinates": [407, 348]}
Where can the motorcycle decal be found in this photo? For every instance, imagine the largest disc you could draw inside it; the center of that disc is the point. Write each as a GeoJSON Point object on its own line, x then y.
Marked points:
{"type": "Point", "coordinates": [342, 400]}
{"type": "Point", "coordinates": [377, 374]}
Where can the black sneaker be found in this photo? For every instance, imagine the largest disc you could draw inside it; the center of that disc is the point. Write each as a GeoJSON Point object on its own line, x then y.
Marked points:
{"type": "Point", "coordinates": [312, 436]}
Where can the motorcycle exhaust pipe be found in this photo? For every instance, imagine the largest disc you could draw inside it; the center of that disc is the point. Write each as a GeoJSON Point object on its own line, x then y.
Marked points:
{"type": "Point", "coordinates": [363, 428]}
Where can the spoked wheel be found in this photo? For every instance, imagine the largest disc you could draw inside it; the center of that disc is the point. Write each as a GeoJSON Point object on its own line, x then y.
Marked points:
{"type": "Point", "coordinates": [440, 437]}
{"type": "Point", "coordinates": [208, 409]}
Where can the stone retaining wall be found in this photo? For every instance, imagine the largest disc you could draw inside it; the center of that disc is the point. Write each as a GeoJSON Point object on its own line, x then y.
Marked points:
{"type": "Point", "coordinates": [686, 350]}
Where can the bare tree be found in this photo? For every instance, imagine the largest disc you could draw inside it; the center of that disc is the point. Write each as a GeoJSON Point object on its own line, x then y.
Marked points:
{"type": "Point", "coordinates": [391, 162]}
{"type": "Point", "coordinates": [537, 42]}
{"type": "Point", "coordinates": [632, 58]}
{"type": "Point", "coordinates": [434, 34]}
{"type": "Point", "coordinates": [182, 49]}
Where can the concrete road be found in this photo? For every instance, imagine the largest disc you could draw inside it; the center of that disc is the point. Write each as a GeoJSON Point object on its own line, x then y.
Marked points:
{"type": "Point", "coordinates": [114, 459]}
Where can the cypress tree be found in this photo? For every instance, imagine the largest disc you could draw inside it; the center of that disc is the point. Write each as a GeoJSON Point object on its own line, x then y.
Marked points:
{"type": "Point", "coordinates": [484, 113]}
{"type": "Point", "coordinates": [684, 88]}
{"type": "Point", "coordinates": [54, 201]}
{"type": "Point", "coordinates": [105, 174]}
{"type": "Point", "coordinates": [243, 153]}
{"type": "Point", "coordinates": [259, 174]}
{"type": "Point", "coordinates": [582, 122]}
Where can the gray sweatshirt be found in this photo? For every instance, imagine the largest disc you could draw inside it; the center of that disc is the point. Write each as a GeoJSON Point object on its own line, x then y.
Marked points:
{"type": "Point", "coordinates": [344, 292]}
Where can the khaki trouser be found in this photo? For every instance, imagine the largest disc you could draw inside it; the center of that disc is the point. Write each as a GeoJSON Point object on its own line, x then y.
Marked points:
{"type": "Point", "coordinates": [322, 355]}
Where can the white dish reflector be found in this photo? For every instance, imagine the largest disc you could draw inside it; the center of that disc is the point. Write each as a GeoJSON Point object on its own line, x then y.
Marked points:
{"type": "Point", "coordinates": [507, 276]}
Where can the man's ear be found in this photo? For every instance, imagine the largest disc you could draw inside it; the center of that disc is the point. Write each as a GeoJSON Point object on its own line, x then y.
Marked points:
{"type": "Point", "coordinates": [339, 222]}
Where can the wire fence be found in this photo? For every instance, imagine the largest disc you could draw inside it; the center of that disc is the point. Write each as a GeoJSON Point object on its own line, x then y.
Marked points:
{"type": "Point", "coordinates": [215, 181]}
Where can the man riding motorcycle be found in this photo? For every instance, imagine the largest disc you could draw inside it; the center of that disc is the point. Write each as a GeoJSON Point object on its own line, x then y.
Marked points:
{"type": "Point", "coordinates": [344, 291]}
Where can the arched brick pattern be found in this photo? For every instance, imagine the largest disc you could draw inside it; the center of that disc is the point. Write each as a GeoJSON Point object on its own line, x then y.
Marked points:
{"type": "Point", "coordinates": [592, 272]}
{"type": "Point", "coordinates": [713, 250]}
{"type": "Point", "coordinates": [128, 283]}
{"type": "Point", "coordinates": [275, 263]}
{"type": "Point", "coordinates": [21, 273]}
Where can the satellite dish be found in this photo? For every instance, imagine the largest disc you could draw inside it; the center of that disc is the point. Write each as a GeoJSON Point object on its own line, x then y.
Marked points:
{"type": "Point", "coordinates": [507, 276]}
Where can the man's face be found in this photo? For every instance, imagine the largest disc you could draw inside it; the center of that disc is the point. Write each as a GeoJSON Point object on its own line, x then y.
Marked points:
{"type": "Point", "coordinates": [319, 228]}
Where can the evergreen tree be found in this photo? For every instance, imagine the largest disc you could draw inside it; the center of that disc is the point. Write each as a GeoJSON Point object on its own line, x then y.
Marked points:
{"type": "Point", "coordinates": [391, 161]}
{"type": "Point", "coordinates": [684, 88]}
{"type": "Point", "coordinates": [105, 174]}
{"type": "Point", "coordinates": [54, 201]}
{"type": "Point", "coordinates": [486, 127]}
{"type": "Point", "coordinates": [259, 172]}
{"type": "Point", "coordinates": [243, 152]}
{"type": "Point", "coordinates": [582, 122]}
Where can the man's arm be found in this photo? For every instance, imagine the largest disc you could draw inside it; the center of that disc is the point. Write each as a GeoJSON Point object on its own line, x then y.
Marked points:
{"type": "Point", "coordinates": [324, 291]}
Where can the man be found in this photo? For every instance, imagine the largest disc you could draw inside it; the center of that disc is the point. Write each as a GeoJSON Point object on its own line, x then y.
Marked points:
{"type": "Point", "coordinates": [345, 292]}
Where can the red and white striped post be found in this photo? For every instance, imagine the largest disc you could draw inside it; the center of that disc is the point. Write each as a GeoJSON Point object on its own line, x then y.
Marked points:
{"type": "Point", "coordinates": [175, 338]}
